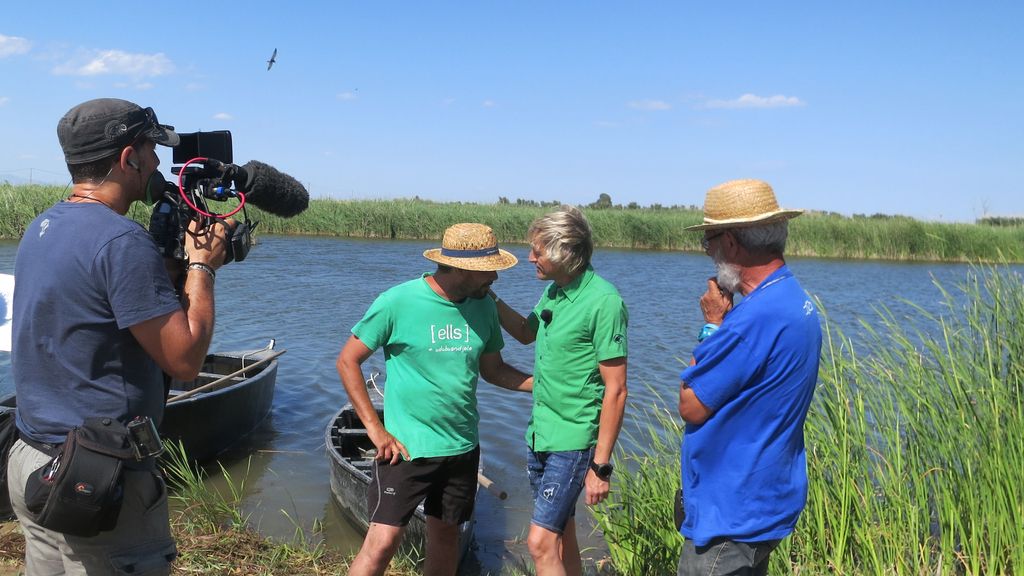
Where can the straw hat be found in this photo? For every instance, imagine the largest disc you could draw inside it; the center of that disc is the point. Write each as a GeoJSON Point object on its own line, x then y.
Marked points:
{"type": "Point", "coordinates": [471, 247]}
{"type": "Point", "coordinates": [740, 203]}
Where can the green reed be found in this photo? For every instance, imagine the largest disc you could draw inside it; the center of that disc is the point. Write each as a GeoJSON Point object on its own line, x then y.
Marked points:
{"type": "Point", "coordinates": [815, 234]}
{"type": "Point", "coordinates": [637, 518]}
{"type": "Point", "coordinates": [915, 447]}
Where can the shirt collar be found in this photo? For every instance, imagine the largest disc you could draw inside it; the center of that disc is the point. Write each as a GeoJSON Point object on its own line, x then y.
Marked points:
{"type": "Point", "coordinates": [573, 289]}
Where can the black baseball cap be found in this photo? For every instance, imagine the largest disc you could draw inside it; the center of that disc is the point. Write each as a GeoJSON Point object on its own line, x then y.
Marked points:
{"type": "Point", "coordinates": [103, 127]}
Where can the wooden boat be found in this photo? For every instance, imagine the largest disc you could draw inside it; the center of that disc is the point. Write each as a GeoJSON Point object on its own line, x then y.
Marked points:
{"type": "Point", "coordinates": [351, 454]}
{"type": "Point", "coordinates": [230, 398]}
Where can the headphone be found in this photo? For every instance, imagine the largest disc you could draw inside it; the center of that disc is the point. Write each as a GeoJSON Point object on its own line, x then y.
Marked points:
{"type": "Point", "coordinates": [133, 164]}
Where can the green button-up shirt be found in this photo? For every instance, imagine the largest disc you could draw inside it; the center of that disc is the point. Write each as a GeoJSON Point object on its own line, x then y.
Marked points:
{"type": "Point", "coordinates": [586, 325]}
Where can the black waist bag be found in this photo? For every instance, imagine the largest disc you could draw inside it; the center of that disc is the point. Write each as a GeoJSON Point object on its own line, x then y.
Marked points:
{"type": "Point", "coordinates": [79, 491]}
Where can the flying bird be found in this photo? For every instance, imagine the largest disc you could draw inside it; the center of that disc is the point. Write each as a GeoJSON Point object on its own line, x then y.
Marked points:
{"type": "Point", "coordinates": [273, 58]}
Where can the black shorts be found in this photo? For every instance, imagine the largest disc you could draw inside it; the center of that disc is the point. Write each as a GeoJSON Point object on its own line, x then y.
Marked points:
{"type": "Point", "coordinates": [448, 483]}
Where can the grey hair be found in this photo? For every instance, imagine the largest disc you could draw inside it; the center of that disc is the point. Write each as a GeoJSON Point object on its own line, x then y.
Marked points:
{"type": "Point", "coordinates": [565, 237]}
{"type": "Point", "coordinates": [769, 238]}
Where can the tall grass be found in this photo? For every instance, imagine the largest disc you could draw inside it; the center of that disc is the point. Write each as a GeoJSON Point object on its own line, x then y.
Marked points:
{"type": "Point", "coordinates": [638, 515]}
{"type": "Point", "coordinates": [915, 448]}
{"type": "Point", "coordinates": [824, 235]}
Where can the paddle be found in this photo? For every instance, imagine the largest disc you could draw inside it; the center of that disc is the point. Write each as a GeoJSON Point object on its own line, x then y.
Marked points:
{"type": "Point", "coordinates": [488, 484]}
{"type": "Point", "coordinates": [219, 381]}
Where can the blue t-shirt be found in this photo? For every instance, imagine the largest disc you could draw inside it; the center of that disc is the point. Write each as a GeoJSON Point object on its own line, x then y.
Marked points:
{"type": "Point", "coordinates": [85, 274]}
{"type": "Point", "coordinates": [744, 471]}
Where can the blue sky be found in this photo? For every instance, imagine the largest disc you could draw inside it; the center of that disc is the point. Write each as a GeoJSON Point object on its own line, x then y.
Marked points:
{"type": "Point", "coordinates": [870, 107]}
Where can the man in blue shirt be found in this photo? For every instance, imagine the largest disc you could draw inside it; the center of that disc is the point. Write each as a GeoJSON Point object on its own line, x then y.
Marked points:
{"type": "Point", "coordinates": [746, 394]}
{"type": "Point", "coordinates": [96, 321]}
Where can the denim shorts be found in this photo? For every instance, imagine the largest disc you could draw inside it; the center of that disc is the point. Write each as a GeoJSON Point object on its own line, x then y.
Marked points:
{"type": "Point", "coordinates": [556, 479]}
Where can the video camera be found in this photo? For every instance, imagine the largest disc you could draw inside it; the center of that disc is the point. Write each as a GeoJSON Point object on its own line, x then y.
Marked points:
{"type": "Point", "coordinates": [207, 173]}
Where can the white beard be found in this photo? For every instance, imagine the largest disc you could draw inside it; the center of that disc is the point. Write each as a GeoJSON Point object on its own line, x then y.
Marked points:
{"type": "Point", "coordinates": [728, 275]}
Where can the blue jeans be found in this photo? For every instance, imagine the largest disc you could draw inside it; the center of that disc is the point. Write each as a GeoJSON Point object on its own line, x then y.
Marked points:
{"type": "Point", "coordinates": [724, 557]}
{"type": "Point", "coordinates": [557, 480]}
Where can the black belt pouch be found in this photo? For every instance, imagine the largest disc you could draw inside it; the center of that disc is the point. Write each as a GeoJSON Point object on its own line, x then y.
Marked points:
{"type": "Point", "coordinates": [80, 490]}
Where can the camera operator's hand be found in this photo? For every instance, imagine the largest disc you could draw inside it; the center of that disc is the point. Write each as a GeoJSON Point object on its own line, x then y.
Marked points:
{"type": "Point", "coordinates": [209, 245]}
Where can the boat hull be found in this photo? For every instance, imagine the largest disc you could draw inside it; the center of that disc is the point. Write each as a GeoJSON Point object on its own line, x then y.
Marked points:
{"type": "Point", "coordinates": [350, 452]}
{"type": "Point", "coordinates": [210, 422]}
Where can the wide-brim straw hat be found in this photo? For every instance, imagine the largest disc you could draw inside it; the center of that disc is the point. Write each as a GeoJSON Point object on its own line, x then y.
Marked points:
{"type": "Point", "coordinates": [471, 247]}
{"type": "Point", "coordinates": [740, 203]}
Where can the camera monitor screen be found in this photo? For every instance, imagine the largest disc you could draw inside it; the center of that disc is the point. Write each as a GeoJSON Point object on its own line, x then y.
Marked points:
{"type": "Point", "coordinates": [215, 144]}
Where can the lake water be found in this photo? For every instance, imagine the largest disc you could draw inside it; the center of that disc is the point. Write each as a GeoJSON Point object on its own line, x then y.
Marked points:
{"type": "Point", "coordinates": [308, 292]}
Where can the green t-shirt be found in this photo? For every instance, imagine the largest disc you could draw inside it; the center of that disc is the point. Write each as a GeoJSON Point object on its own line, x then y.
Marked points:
{"type": "Point", "coordinates": [587, 325]}
{"type": "Point", "coordinates": [432, 350]}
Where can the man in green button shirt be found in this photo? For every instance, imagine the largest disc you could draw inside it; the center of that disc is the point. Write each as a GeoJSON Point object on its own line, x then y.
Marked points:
{"type": "Point", "coordinates": [579, 387]}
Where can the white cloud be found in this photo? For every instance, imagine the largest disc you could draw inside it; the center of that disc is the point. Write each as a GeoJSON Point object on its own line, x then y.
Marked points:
{"type": "Point", "coordinates": [223, 116]}
{"type": "Point", "coordinates": [11, 45]}
{"type": "Point", "coordinates": [649, 105]}
{"type": "Point", "coordinates": [102, 62]}
{"type": "Point", "coordinates": [4, 100]}
{"type": "Point", "coordinates": [489, 104]}
{"type": "Point", "coordinates": [347, 96]}
{"type": "Point", "coordinates": [755, 101]}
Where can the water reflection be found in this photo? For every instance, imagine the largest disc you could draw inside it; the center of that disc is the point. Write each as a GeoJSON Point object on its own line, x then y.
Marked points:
{"type": "Point", "coordinates": [307, 292]}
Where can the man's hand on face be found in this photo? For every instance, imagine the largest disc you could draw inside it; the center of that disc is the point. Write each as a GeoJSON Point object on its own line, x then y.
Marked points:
{"type": "Point", "coordinates": [716, 302]}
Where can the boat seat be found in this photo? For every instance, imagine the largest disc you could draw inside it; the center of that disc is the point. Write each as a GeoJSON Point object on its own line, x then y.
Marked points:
{"type": "Point", "coordinates": [214, 376]}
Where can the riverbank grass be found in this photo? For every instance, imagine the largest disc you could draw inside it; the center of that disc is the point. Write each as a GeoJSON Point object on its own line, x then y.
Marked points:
{"type": "Point", "coordinates": [657, 228]}
{"type": "Point", "coordinates": [213, 536]}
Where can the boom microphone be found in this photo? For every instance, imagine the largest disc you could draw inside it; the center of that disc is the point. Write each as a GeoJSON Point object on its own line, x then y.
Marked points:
{"type": "Point", "coordinates": [270, 189]}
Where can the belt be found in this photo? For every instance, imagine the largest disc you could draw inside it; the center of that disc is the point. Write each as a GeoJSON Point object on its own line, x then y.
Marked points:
{"type": "Point", "coordinates": [48, 449]}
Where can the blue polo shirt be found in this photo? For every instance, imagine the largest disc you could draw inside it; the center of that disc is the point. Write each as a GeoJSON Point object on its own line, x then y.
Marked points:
{"type": "Point", "coordinates": [744, 471]}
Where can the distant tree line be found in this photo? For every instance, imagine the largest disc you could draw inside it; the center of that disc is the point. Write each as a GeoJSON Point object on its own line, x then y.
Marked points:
{"type": "Point", "coordinates": [1001, 221]}
{"type": "Point", "coordinates": [603, 202]}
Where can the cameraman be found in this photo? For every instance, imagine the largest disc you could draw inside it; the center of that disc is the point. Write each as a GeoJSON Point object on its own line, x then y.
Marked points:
{"type": "Point", "coordinates": [96, 319]}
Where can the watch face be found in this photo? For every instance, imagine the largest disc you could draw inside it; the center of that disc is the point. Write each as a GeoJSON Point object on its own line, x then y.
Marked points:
{"type": "Point", "coordinates": [603, 471]}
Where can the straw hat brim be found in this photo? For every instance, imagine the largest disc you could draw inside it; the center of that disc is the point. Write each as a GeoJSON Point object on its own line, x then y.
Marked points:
{"type": "Point", "coordinates": [768, 218]}
{"type": "Point", "coordinates": [501, 261]}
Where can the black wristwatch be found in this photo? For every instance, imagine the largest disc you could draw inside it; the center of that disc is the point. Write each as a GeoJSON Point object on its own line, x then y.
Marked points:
{"type": "Point", "coordinates": [602, 471]}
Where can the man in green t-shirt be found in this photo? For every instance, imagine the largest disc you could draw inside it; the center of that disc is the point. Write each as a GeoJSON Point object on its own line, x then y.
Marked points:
{"type": "Point", "coordinates": [579, 392]}
{"type": "Point", "coordinates": [439, 332]}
